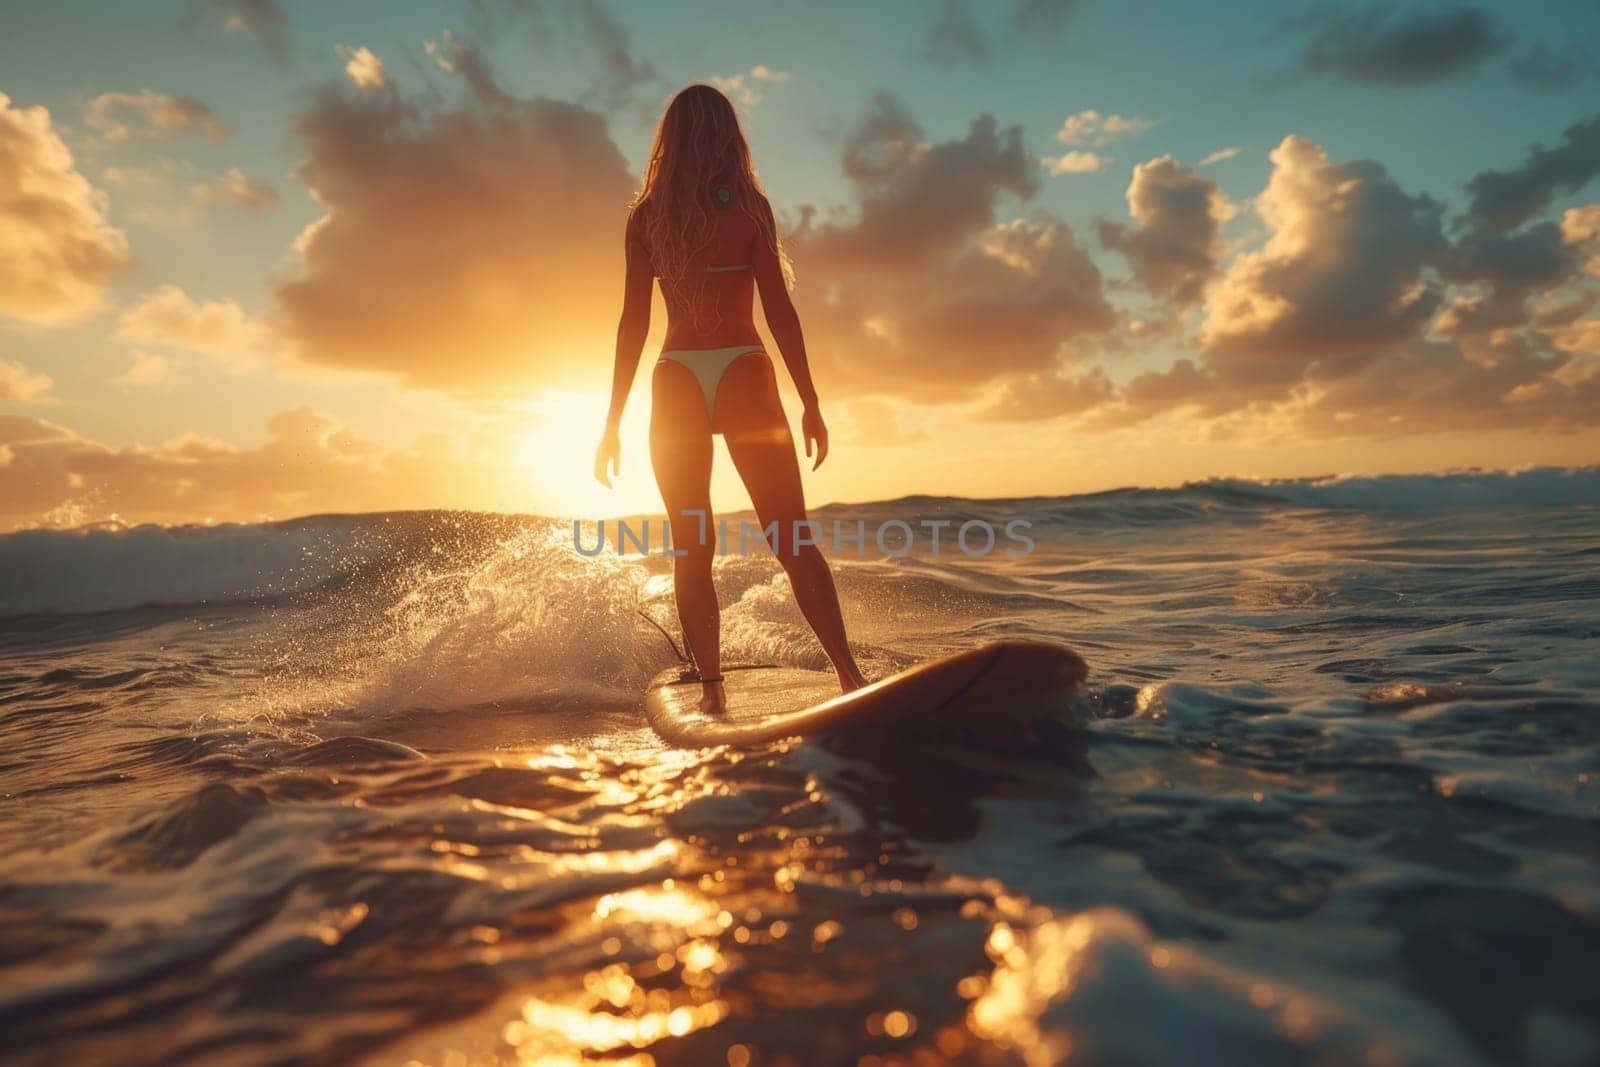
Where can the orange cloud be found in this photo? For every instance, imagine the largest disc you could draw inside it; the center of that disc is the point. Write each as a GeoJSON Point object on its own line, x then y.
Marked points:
{"type": "Point", "coordinates": [924, 294]}
{"type": "Point", "coordinates": [917, 200]}
{"type": "Point", "coordinates": [1580, 228]}
{"type": "Point", "coordinates": [309, 463]}
{"type": "Point", "coordinates": [745, 88]}
{"type": "Point", "coordinates": [1219, 156]}
{"type": "Point", "coordinates": [364, 67]}
{"type": "Point", "coordinates": [236, 187]}
{"type": "Point", "coordinates": [463, 248]}
{"type": "Point", "coordinates": [1502, 380]}
{"type": "Point", "coordinates": [217, 328]}
{"type": "Point", "coordinates": [19, 385]}
{"type": "Point", "coordinates": [56, 249]}
{"type": "Point", "coordinates": [1342, 270]}
{"type": "Point", "coordinates": [149, 115]}
{"type": "Point", "coordinates": [1004, 304]}
{"type": "Point", "coordinates": [1065, 391]}
{"type": "Point", "coordinates": [1334, 328]}
{"type": "Point", "coordinates": [1175, 247]}
{"type": "Point", "coordinates": [148, 370]}
{"type": "Point", "coordinates": [1076, 163]}
{"type": "Point", "coordinates": [1090, 127]}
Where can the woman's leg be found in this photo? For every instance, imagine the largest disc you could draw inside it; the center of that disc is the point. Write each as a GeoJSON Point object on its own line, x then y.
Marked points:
{"type": "Point", "coordinates": [751, 418]}
{"type": "Point", "coordinates": [680, 452]}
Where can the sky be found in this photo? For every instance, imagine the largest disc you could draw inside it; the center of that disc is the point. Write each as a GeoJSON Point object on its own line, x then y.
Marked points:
{"type": "Point", "coordinates": [265, 258]}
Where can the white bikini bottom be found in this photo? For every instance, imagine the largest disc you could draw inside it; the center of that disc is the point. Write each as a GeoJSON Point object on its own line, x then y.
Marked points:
{"type": "Point", "coordinates": [708, 365]}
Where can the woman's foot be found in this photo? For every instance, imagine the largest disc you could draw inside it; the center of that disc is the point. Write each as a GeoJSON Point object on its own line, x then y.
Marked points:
{"type": "Point", "coordinates": [850, 679]}
{"type": "Point", "coordinates": [713, 698]}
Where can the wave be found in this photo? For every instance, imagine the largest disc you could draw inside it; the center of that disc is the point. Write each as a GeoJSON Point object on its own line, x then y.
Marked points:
{"type": "Point", "coordinates": [110, 568]}
{"type": "Point", "coordinates": [106, 568]}
{"type": "Point", "coordinates": [1534, 487]}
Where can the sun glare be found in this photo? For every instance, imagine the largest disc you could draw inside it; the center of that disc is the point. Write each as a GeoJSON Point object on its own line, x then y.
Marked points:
{"type": "Point", "coordinates": [555, 457]}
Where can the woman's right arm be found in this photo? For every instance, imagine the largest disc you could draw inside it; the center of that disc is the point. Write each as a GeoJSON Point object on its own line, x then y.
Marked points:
{"type": "Point", "coordinates": [784, 322]}
{"type": "Point", "coordinates": [631, 331]}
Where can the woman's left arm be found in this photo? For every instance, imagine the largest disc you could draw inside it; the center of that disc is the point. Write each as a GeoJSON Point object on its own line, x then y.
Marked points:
{"type": "Point", "coordinates": [631, 331]}
{"type": "Point", "coordinates": [784, 322]}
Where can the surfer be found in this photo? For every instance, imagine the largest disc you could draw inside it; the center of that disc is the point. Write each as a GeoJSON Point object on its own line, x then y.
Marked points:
{"type": "Point", "coordinates": [702, 225]}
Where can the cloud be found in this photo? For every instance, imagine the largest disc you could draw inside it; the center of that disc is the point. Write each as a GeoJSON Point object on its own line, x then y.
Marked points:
{"type": "Point", "coordinates": [924, 292]}
{"type": "Point", "coordinates": [161, 172]}
{"type": "Point", "coordinates": [1176, 245]}
{"type": "Point", "coordinates": [148, 371]}
{"type": "Point", "coordinates": [1218, 156]}
{"type": "Point", "coordinates": [1358, 318]}
{"type": "Point", "coordinates": [1580, 228]}
{"type": "Point", "coordinates": [915, 199]}
{"type": "Point", "coordinates": [454, 56]}
{"type": "Point", "coordinates": [1502, 199]}
{"type": "Point", "coordinates": [571, 26]}
{"type": "Point", "coordinates": [463, 246]}
{"type": "Point", "coordinates": [1379, 45]}
{"type": "Point", "coordinates": [57, 251]}
{"type": "Point", "coordinates": [1090, 127]}
{"type": "Point", "coordinates": [1542, 67]}
{"type": "Point", "coordinates": [158, 191]}
{"type": "Point", "coordinates": [149, 115]}
{"type": "Point", "coordinates": [744, 88]}
{"type": "Point", "coordinates": [220, 329]}
{"type": "Point", "coordinates": [1075, 163]}
{"type": "Point", "coordinates": [1342, 271]}
{"type": "Point", "coordinates": [1504, 380]}
{"type": "Point", "coordinates": [19, 385]}
{"type": "Point", "coordinates": [364, 67]}
{"type": "Point", "coordinates": [1049, 394]}
{"type": "Point", "coordinates": [309, 463]}
{"type": "Point", "coordinates": [621, 74]}
{"type": "Point", "coordinates": [1007, 302]}
{"type": "Point", "coordinates": [1043, 16]}
{"type": "Point", "coordinates": [1422, 386]}
{"type": "Point", "coordinates": [955, 36]}
{"type": "Point", "coordinates": [263, 20]}
{"type": "Point", "coordinates": [1184, 386]}
{"type": "Point", "coordinates": [1504, 269]}
{"type": "Point", "coordinates": [1580, 337]}
{"type": "Point", "coordinates": [236, 187]}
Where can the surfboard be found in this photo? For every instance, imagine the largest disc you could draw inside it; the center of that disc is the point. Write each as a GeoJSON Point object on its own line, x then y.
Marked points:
{"type": "Point", "coordinates": [1012, 680]}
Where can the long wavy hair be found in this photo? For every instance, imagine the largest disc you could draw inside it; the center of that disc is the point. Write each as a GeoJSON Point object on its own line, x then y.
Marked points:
{"type": "Point", "coordinates": [698, 148]}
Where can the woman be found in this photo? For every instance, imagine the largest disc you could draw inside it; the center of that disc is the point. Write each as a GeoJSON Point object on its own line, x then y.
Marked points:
{"type": "Point", "coordinates": [703, 226]}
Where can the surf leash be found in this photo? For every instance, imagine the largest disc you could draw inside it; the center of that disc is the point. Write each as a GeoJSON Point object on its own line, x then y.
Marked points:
{"type": "Point", "coordinates": [662, 630]}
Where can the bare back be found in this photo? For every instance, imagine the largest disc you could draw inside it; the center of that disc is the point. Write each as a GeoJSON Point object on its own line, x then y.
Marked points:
{"type": "Point", "coordinates": [721, 280]}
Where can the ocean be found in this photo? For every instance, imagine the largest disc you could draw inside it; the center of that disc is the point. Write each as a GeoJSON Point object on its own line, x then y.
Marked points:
{"type": "Point", "coordinates": [374, 789]}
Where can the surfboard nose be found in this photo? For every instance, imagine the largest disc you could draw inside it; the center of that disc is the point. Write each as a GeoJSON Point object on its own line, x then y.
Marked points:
{"type": "Point", "coordinates": [1041, 664]}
